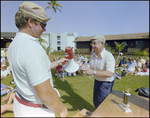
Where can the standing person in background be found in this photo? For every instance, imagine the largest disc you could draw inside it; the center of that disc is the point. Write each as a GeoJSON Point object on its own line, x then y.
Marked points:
{"type": "Point", "coordinates": [31, 67]}
{"type": "Point", "coordinates": [102, 66]}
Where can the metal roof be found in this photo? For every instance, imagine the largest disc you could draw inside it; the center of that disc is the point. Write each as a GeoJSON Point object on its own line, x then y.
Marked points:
{"type": "Point", "coordinates": [117, 37]}
{"type": "Point", "coordinates": [8, 34]}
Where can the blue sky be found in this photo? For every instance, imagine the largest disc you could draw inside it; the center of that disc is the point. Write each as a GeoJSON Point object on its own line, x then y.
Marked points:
{"type": "Point", "coordinates": [87, 18]}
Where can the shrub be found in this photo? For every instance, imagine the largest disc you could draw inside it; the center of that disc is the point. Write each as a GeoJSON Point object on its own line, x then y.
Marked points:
{"type": "Point", "coordinates": [142, 53]}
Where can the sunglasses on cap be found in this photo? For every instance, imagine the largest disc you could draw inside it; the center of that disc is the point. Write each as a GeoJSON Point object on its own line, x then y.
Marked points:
{"type": "Point", "coordinates": [43, 25]}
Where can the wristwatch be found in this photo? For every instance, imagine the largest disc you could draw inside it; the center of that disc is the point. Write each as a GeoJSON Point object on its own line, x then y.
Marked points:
{"type": "Point", "coordinates": [94, 72]}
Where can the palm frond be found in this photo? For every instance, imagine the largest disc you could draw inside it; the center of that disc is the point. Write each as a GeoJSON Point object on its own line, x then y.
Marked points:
{"type": "Point", "coordinates": [119, 47]}
{"type": "Point", "coordinates": [58, 9]}
{"type": "Point", "coordinates": [47, 7]}
{"type": "Point", "coordinates": [49, 3]}
{"type": "Point", "coordinates": [58, 5]}
{"type": "Point", "coordinates": [54, 9]}
{"type": "Point", "coordinates": [116, 43]}
{"type": "Point", "coordinates": [42, 41]}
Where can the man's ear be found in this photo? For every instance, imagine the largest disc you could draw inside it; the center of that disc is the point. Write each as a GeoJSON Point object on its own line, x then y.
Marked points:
{"type": "Point", "coordinates": [102, 43]}
{"type": "Point", "coordinates": [30, 22]}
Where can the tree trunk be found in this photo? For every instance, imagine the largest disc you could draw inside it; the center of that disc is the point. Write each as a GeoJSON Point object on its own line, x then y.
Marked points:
{"type": "Point", "coordinates": [51, 32]}
{"type": "Point", "coordinates": [118, 55]}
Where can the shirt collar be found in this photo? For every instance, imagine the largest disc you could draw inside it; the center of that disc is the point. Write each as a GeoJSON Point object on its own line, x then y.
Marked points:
{"type": "Point", "coordinates": [101, 54]}
{"type": "Point", "coordinates": [28, 36]}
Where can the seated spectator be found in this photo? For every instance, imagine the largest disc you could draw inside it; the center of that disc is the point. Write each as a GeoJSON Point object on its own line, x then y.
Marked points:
{"type": "Point", "coordinates": [9, 97]}
{"type": "Point", "coordinates": [59, 71]}
{"type": "Point", "coordinates": [142, 60]}
{"type": "Point", "coordinates": [144, 69]}
{"type": "Point", "coordinates": [80, 71]}
{"type": "Point", "coordinates": [72, 74]}
{"type": "Point", "coordinates": [123, 63]}
{"type": "Point", "coordinates": [131, 67]}
{"type": "Point", "coordinates": [129, 61]}
{"type": "Point", "coordinates": [85, 59]}
{"type": "Point", "coordinates": [138, 66]}
{"type": "Point", "coordinates": [85, 62]}
{"type": "Point", "coordinates": [4, 72]}
{"type": "Point", "coordinates": [8, 68]}
{"type": "Point", "coordinates": [147, 63]}
{"type": "Point", "coordinates": [2, 61]}
{"type": "Point", "coordinates": [8, 106]}
{"type": "Point", "coordinates": [5, 89]}
{"type": "Point", "coordinates": [135, 60]}
{"type": "Point", "coordinates": [80, 58]}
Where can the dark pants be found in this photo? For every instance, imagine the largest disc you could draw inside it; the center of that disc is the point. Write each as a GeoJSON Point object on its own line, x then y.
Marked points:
{"type": "Point", "coordinates": [101, 91]}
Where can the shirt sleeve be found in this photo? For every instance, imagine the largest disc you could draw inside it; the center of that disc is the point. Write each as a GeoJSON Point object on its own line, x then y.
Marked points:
{"type": "Point", "coordinates": [110, 63]}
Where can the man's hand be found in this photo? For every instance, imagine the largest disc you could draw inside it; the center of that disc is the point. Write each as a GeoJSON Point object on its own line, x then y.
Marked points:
{"type": "Point", "coordinates": [64, 112]}
{"type": "Point", "coordinates": [62, 60]}
{"type": "Point", "coordinates": [87, 70]}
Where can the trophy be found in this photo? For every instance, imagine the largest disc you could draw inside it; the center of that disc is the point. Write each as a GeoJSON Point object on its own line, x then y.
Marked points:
{"type": "Point", "coordinates": [125, 106]}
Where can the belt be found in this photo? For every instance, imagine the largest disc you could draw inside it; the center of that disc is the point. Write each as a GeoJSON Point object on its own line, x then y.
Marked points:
{"type": "Point", "coordinates": [30, 104]}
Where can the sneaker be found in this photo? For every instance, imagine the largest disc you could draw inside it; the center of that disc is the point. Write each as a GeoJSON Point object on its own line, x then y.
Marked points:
{"type": "Point", "coordinates": [11, 82]}
{"type": "Point", "coordinates": [7, 90]}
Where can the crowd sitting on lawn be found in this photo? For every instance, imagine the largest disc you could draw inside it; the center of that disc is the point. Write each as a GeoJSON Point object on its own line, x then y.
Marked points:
{"type": "Point", "coordinates": [135, 67]}
{"type": "Point", "coordinates": [9, 91]}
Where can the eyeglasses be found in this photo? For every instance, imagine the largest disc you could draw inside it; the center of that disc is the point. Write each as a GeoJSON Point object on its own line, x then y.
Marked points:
{"type": "Point", "coordinates": [43, 25]}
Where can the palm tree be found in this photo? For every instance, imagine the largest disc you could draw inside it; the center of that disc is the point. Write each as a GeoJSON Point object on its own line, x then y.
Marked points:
{"type": "Point", "coordinates": [119, 47]}
{"type": "Point", "coordinates": [54, 5]}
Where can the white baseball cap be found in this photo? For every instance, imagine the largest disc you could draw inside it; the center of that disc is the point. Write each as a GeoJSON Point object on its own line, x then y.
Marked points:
{"type": "Point", "coordinates": [101, 38]}
{"type": "Point", "coordinates": [34, 9]}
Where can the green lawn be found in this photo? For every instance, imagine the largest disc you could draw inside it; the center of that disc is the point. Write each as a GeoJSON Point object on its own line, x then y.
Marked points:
{"type": "Point", "coordinates": [77, 92]}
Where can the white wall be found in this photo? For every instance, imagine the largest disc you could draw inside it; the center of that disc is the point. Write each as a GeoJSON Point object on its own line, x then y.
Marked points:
{"type": "Point", "coordinates": [65, 40]}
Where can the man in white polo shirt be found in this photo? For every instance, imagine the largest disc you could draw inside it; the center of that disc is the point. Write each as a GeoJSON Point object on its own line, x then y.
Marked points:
{"type": "Point", "coordinates": [31, 67]}
{"type": "Point", "coordinates": [102, 66]}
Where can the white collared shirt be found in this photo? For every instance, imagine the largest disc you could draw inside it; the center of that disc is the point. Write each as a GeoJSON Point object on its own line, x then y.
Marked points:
{"type": "Point", "coordinates": [105, 61]}
{"type": "Point", "coordinates": [30, 65]}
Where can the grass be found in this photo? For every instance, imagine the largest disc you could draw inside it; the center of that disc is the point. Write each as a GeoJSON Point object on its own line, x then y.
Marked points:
{"type": "Point", "coordinates": [77, 92]}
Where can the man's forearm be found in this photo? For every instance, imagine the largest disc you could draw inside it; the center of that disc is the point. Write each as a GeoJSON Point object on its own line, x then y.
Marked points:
{"type": "Point", "coordinates": [49, 96]}
{"type": "Point", "coordinates": [54, 64]}
{"type": "Point", "coordinates": [52, 101]}
{"type": "Point", "coordinates": [103, 73]}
